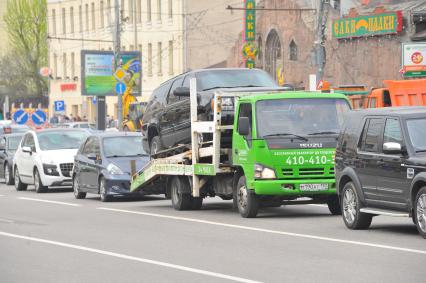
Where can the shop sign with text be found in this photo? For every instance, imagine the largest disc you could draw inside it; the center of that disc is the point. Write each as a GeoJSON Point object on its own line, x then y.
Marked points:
{"type": "Point", "coordinates": [414, 59]}
{"type": "Point", "coordinates": [379, 24]}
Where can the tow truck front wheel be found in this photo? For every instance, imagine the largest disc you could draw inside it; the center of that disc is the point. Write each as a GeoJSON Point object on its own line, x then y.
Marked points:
{"type": "Point", "coordinates": [247, 201]}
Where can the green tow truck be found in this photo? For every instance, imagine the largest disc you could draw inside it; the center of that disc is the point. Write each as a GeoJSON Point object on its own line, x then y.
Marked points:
{"type": "Point", "coordinates": [283, 147]}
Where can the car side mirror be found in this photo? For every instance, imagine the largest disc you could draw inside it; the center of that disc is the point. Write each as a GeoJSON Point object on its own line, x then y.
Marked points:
{"type": "Point", "coordinates": [26, 149]}
{"type": "Point", "coordinates": [392, 148]}
{"type": "Point", "coordinates": [181, 91]}
{"type": "Point", "coordinates": [243, 126]}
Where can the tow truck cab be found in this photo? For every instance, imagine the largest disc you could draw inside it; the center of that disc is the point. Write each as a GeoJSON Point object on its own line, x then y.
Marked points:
{"type": "Point", "coordinates": [284, 145]}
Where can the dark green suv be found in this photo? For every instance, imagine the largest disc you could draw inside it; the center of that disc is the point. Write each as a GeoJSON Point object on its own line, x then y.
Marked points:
{"type": "Point", "coordinates": [381, 166]}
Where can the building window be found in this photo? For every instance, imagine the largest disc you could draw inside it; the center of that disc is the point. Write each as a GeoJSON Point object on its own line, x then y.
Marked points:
{"type": "Point", "coordinates": [293, 51]}
{"type": "Point", "coordinates": [64, 24]}
{"type": "Point", "coordinates": [273, 53]}
{"type": "Point", "coordinates": [148, 10]}
{"type": "Point", "coordinates": [53, 21]}
{"type": "Point", "coordinates": [55, 66]}
{"type": "Point", "coordinates": [80, 18]}
{"type": "Point", "coordinates": [72, 19]}
{"type": "Point", "coordinates": [130, 9]}
{"type": "Point", "coordinates": [150, 59]}
{"type": "Point", "coordinates": [87, 16]}
{"type": "Point", "coordinates": [72, 65]}
{"type": "Point", "coordinates": [159, 10]}
{"type": "Point", "coordinates": [93, 16]}
{"type": "Point", "coordinates": [171, 57]}
{"type": "Point", "coordinates": [139, 11]}
{"type": "Point", "coordinates": [170, 9]}
{"type": "Point", "coordinates": [64, 67]}
{"type": "Point", "coordinates": [101, 14]}
{"type": "Point", "coordinates": [123, 48]}
{"type": "Point", "coordinates": [159, 59]}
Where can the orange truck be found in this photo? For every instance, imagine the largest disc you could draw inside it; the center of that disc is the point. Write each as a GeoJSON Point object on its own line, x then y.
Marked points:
{"type": "Point", "coordinates": [398, 93]}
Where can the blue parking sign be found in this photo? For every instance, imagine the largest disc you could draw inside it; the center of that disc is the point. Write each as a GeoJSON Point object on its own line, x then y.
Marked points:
{"type": "Point", "coordinates": [59, 106]}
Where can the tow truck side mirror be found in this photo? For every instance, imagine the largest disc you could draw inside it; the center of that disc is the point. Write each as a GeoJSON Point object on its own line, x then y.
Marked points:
{"type": "Point", "coordinates": [243, 126]}
{"type": "Point", "coordinates": [392, 148]}
{"type": "Point", "coordinates": [181, 91]}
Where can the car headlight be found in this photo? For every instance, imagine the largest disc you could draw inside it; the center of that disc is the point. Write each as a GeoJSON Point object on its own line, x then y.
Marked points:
{"type": "Point", "coordinates": [263, 172]}
{"type": "Point", "coordinates": [114, 170]}
{"type": "Point", "coordinates": [50, 169]}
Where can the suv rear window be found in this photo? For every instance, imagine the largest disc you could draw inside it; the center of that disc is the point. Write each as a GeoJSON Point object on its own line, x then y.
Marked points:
{"type": "Point", "coordinates": [371, 135]}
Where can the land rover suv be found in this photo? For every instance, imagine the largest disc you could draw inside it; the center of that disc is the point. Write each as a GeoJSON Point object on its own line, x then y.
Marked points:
{"type": "Point", "coordinates": [381, 166]}
{"type": "Point", "coordinates": [166, 121]}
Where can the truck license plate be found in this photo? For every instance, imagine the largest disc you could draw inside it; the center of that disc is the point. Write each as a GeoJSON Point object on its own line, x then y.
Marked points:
{"type": "Point", "coordinates": [313, 187]}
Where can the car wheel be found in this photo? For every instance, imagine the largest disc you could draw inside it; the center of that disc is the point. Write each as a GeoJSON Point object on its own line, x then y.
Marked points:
{"type": "Point", "coordinates": [155, 145]}
{"type": "Point", "coordinates": [247, 201]}
{"type": "Point", "coordinates": [19, 186]}
{"type": "Point", "coordinates": [38, 185]}
{"type": "Point", "coordinates": [102, 190]}
{"type": "Point", "coordinates": [353, 218]}
{"type": "Point", "coordinates": [420, 212]}
{"type": "Point", "coordinates": [334, 205]}
{"type": "Point", "coordinates": [76, 189]}
{"type": "Point", "coordinates": [8, 178]}
{"type": "Point", "coordinates": [181, 200]}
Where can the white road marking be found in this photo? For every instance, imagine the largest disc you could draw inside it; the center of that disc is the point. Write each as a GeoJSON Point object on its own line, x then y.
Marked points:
{"type": "Point", "coordinates": [132, 258]}
{"type": "Point", "coordinates": [50, 201]}
{"type": "Point", "coordinates": [291, 234]}
{"type": "Point", "coordinates": [2, 195]}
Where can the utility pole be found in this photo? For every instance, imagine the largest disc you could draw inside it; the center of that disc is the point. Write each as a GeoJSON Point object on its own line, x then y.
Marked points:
{"type": "Point", "coordinates": [117, 61]}
{"type": "Point", "coordinates": [319, 47]}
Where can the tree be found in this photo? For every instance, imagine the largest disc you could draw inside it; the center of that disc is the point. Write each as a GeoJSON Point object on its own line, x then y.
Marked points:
{"type": "Point", "coordinates": [26, 25]}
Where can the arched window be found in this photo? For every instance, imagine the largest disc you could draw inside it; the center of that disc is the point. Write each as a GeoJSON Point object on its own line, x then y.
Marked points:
{"type": "Point", "coordinates": [293, 51]}
{"type": "Point", "coordinates": [259, 63]}
{"type": "Point", "coordinates": [273, 53]}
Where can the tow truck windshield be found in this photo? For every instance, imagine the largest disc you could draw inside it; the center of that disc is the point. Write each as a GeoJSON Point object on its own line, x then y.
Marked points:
{"type": "Point", "coordinates": [300, 117]}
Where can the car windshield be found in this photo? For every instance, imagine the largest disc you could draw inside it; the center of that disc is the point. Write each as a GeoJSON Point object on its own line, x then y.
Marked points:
{"type": "Point", "coordinates": [302, 117]}
{"type": "Point", "coordinates": [87, 126]}
{"type": "Point", "coordinates": [125, 146]}
{"type": "Point", "coordinates": [53, 140]}
{"type": "Point", "coordinates": [14, 142]}
{"type": "Point", "coordinates": [417, 133]}
{"type": "Point", "coordinates": [234, 78]}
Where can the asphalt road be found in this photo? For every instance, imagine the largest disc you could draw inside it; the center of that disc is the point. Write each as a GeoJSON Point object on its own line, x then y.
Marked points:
{"type": "Point", "coordinates": [53, 237]}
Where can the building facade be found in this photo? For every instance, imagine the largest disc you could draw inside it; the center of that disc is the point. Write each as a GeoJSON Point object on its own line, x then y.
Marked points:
{"type": "Point", "coordinates": [154, 27]}
{"type": "Point", "coordinates": [285, 39]}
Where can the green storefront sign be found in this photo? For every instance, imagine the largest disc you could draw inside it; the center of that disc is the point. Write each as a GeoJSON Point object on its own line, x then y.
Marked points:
{"type": "Point", "coordinates": [379, 24]}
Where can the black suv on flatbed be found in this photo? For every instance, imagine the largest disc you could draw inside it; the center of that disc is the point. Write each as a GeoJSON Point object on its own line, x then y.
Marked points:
{"type": "Point", "coordinates": [166, 122]}
{"type": "Point", "coordinates": [381, 166]}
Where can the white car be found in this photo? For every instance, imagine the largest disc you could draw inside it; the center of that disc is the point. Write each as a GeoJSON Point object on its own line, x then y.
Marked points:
{"type": "Point", "coordinates": [46, 158]}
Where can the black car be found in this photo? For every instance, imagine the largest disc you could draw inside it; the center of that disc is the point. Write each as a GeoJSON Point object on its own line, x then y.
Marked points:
{"type": "Point", "coordinates": [166, 121]}
{"type": "Point", "coordinates": [8, 146]}
{"type": "Point", "coordinates": [102, 164]}
{"type": "Point", "coordinates": [381, 166]}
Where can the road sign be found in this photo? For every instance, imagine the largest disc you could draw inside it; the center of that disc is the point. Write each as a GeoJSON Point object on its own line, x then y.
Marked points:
{"type": "Point", "coordinates": [119, 74]}
{"type": "Point", "coordinates": [120, 88]}
{"type": "Point", "coordinates": [20, 116]}
{"type": "Point", "coordinates": [39, 117]}
{"type": "Point", "coordinates": [94, 100]}
{"type": "Point", "coordinates": [59, 106]}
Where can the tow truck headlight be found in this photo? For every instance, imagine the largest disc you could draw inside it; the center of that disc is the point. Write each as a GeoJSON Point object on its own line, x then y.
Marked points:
{"type": "Point", "coordinates": [227, 103]}
{"type": "Point", "coordinates": [114, 169]}
{"type": "Point", "coordinates": [263, 172]}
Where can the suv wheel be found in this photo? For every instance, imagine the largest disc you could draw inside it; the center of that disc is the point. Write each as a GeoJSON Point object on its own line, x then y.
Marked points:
{"type": "Point", "coordinates": [353, 218]}
{"type": "Point", "coordinates": [19, 186]}
{"type": "Point", "coordinates": [38, 185]}
{"type": "Point", "coordinates": [247, 201]}
{"type": "Point", "coordinates": [420, 212]}
{"type": "Point", "coordinates": [155, 145]}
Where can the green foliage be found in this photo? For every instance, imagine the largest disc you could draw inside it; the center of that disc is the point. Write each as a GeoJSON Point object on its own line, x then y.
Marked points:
{"type": "Point", "coordinates": [26, 24]}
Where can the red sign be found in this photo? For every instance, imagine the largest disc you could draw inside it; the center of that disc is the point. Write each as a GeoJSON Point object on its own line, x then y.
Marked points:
{"type": "Point", "coordinates": [68, 87]}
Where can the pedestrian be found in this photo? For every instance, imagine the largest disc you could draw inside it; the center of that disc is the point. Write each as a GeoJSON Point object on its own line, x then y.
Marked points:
{"type": "Point", "coordinates": [78, 118]}
{"type": "Point", "coordinates": [71, 117]}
